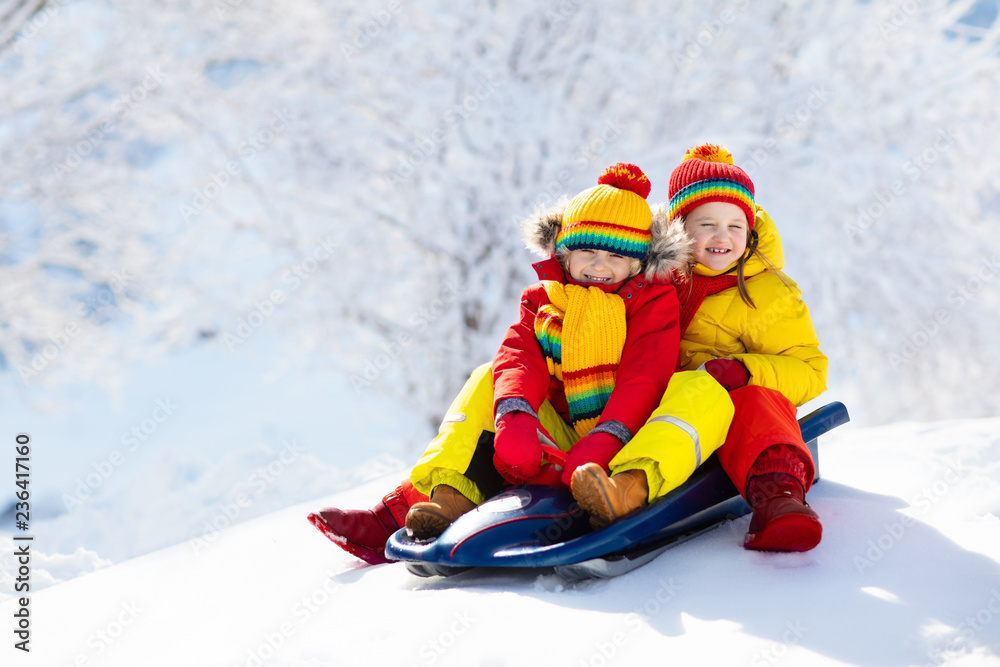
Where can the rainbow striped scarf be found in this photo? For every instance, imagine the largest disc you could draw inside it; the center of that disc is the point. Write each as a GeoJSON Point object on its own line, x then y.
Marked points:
{"type": "Point", "coordinates": [582, 334]}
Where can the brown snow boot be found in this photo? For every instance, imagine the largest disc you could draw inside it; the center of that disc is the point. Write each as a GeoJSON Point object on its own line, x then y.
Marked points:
{"type": "Point", "coordinates": [605, 498]}
{"type": "Point", "coordinates": [429, 519]}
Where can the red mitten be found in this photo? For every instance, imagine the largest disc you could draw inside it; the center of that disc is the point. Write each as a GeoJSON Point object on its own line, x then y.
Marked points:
{"type": "Point", "coordinates": [550, 475]}
{"type": "Point", "coordinates": [517, 447]}
{"type": "Point", "coordinates": [597, 448]}
{"type": "Point", "coordinates": [730, 373]}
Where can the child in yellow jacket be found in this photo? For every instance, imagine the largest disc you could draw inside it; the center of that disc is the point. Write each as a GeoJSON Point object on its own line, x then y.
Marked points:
{"type": "Point", "coordinates": [744, 322]}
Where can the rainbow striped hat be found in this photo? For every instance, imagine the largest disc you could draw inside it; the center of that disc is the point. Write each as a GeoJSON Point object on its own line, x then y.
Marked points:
{"type": "Point", "coordinates": [707, 174]}
{"type": "Point", "coordinates": [613, 216]}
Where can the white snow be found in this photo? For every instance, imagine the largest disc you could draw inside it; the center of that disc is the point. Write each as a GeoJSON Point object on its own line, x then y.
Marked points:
{"type": "Point", "coordinates": [908, 573]}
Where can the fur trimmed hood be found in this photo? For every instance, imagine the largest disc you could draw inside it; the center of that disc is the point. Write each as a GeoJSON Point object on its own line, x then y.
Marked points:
{"type": "Point", "coordinates": [669, 251]}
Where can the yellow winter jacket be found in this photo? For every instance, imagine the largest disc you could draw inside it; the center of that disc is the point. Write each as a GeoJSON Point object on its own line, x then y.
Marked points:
{"type": "Point", "coordinates": [776, 340]}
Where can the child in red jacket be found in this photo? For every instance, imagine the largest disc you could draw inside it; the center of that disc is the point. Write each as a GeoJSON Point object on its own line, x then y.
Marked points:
{"type": "Point", "coordinates": [589, 359]}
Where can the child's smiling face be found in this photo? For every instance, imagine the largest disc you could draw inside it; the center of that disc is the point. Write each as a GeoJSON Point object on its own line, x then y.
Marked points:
{"type": "Point", "coordinates": [719, 230]}
{"type": "Point", "coordinates": [599, 267]}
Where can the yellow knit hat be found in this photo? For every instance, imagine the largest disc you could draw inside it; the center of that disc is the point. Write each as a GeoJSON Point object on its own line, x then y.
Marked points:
{"type": "Point", "coordinates": [612, 216]}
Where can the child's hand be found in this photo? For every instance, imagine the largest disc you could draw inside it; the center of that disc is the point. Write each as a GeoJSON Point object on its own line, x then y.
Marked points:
{"type": "Point", "coordinates": [599, 448]}
{"type": "Point", "coordinates": [517, 445]}
{"type": "Point", "coordinates": [730, 373]}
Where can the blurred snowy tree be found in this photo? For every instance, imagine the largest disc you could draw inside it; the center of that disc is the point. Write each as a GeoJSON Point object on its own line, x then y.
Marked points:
{"type": "Point", "coordinates": [19, 18]}
{"type": "Point", "coordinates": [352, 175]}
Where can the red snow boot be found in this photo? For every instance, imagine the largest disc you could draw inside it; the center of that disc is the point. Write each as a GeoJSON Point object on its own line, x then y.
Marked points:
{"type": "Point", "coordinates": [363, 533]}
{"type": "Point", "coordinates": [782, 520]}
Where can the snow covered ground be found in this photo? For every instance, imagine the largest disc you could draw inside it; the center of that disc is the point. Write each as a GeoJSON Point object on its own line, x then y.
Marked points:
{"type": "Point", "coordinates": [187, 439]}
{"type": "Point", "coordinates": [908, 573]}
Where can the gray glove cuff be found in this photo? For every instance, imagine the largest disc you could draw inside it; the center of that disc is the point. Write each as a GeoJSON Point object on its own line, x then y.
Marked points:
{"type": "Point", "coordinates": [615, 428]}
{"type": "Point", "coordinates": [513, 404]}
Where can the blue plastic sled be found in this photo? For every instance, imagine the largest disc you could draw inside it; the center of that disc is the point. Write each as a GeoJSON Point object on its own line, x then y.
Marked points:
{"type": "Point", "coordinates": [541, 526]}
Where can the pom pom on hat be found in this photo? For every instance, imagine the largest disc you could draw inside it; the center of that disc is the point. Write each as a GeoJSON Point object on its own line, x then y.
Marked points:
{"type": "Point", "coordinates": [709, 153]}
{"type": "Point", "coordinates": [626, 177]}
{"type": "Point", "coordinates": [613, 216]}
{"type": "Point", "coordinates": [706, 174]}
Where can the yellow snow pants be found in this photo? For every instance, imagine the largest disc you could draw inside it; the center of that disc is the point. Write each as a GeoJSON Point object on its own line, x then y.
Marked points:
{"type": "Point", "coordinates": [690, 423]}
{"type": "Point", "coordinates": [460, 451]}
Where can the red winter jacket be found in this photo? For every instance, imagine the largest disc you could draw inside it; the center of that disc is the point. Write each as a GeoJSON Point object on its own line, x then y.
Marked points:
{"type": "Point", "coordinates": [648, 358]}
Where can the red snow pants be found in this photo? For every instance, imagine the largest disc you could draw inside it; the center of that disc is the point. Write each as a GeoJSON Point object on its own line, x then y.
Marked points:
{"type": "Point", "coordinates": [764, 418]}
{"type": "Point", "coordinates": [412, 495]}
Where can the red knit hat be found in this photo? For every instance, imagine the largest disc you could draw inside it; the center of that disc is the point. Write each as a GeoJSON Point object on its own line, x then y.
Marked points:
{"type": "Point", "coordinates": [707, 174]}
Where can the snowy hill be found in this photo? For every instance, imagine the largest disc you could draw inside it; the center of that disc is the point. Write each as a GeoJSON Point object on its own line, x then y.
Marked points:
{"type": "Point", "coordinates": [908, 573]}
